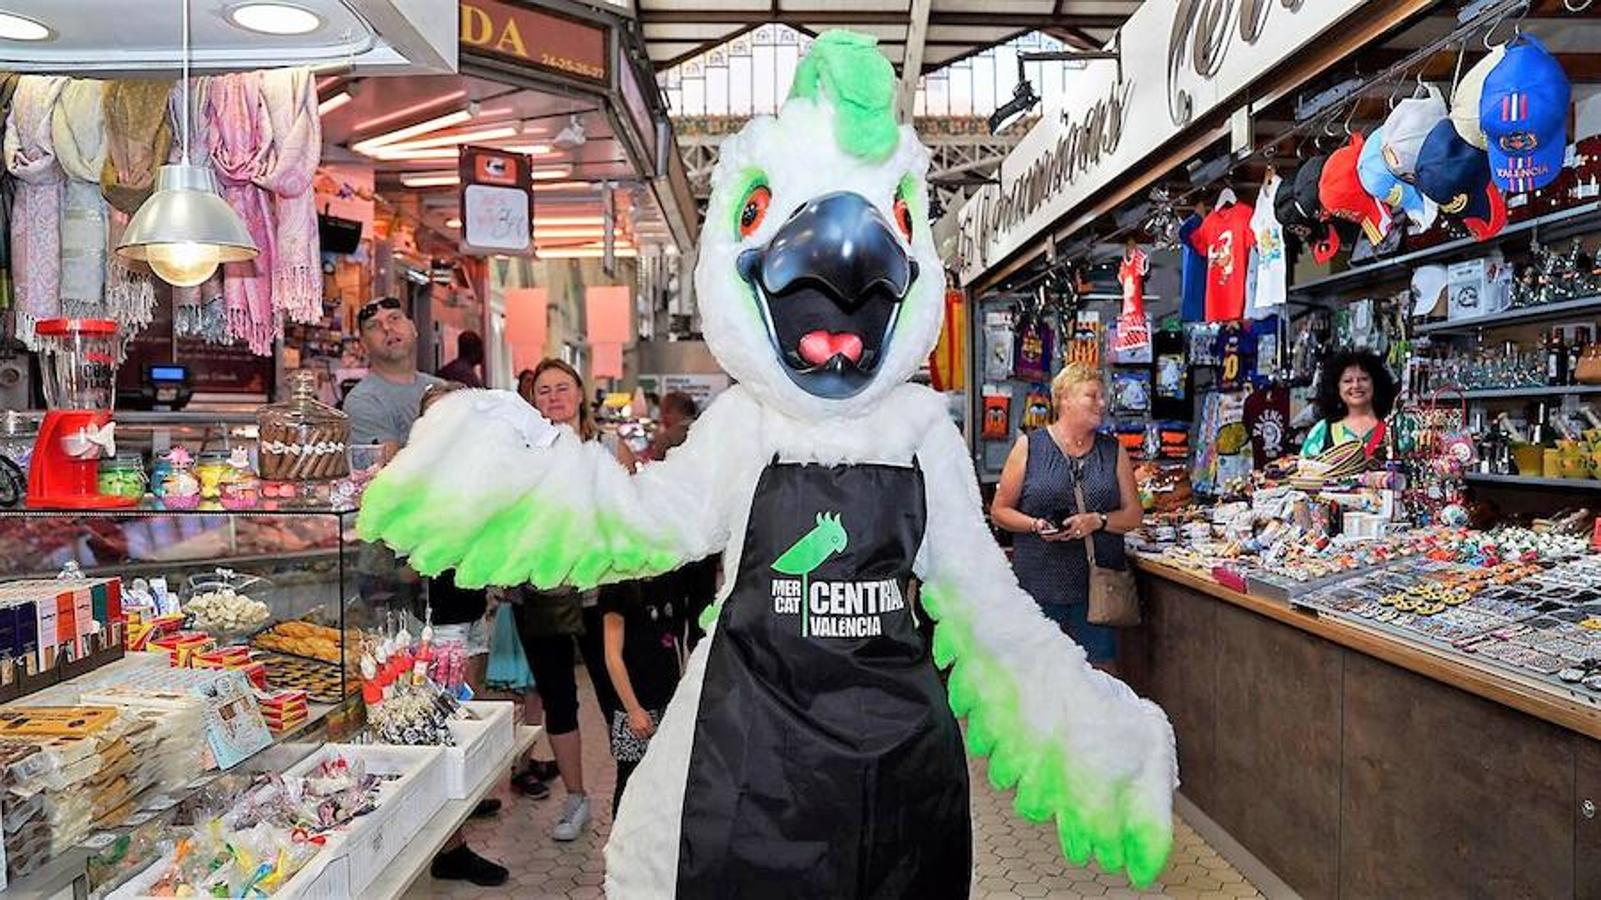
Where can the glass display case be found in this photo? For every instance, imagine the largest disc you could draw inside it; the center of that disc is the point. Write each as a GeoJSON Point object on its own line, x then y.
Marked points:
{"type": "Point", "coordinates": [294, 586]}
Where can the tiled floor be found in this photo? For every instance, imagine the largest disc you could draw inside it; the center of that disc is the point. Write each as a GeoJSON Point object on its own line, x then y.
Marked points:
{"type": "Point", "coordinates": [1012, 857]}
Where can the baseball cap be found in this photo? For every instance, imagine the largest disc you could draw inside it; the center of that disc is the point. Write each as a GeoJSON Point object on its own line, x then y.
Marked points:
{"type": "Point", "coordinates": [1408, 124]}
{"type": "Point", "coordinates": [1373, 170]}
{"type": "Point", "coordinates": [1456, 175]}
{"type": "Point", "coordinates": [1524, 113]}
{"type": "Point", "coordinates": [1342, 194]}
{"type": "Point", "coordinates": [1465, 99]}
{"type": "Point", "coordinates": [1306, 210]}
{"type": "Point", "coordinates": [1428, 288]}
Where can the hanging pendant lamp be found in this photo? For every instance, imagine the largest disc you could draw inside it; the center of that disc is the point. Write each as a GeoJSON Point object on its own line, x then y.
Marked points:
{"type": "Point", "coordinates": [185, 230]}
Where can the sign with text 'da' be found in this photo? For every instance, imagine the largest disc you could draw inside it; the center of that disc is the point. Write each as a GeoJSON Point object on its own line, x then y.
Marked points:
{"type": "Point", "coordinates": [497, 202]}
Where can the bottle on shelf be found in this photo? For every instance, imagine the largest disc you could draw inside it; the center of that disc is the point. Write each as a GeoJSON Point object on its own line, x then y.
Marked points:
{"type": "Point", "coordinates": [1556, 359]}
{"type": "Point", "coordinates": [1581, 343]}
{"type": "Point", "coordinates": [1540, 424]}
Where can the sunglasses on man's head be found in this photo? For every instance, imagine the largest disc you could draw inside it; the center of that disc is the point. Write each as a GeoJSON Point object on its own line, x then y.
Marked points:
{"type": "Point", "coordinates": [373, 308]}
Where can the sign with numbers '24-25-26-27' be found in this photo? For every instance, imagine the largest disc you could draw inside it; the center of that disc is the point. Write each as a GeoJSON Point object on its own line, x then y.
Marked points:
{"type": "Point", "coordinates": [497, 202]}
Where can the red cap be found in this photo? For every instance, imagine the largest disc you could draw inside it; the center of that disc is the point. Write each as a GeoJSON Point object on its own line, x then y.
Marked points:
{"type": "Point", "coordinates": [1342, 195]}
{"type": "Point", "coordinates": [1326, 247]}
{"type": "Point", "coordinates": [1485, 228]}
{"type": "Point", "coordinates": [59, 327]}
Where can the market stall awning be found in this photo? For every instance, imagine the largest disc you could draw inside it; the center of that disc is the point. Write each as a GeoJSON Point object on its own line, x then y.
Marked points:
{"type": "Point", "coordinates": [101, 37]}
{"type": "Point", "coordinates": [676, 30]}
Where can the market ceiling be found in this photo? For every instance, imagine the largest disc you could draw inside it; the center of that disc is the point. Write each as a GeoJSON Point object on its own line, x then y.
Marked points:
{"type": "Point", "coordinates": [939, 31]}
{"type": "Point", "coordinates": [103, 37]}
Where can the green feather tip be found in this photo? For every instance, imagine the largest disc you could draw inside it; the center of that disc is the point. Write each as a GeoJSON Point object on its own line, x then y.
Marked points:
{"type": "Point", "coordinates": [846, 70]}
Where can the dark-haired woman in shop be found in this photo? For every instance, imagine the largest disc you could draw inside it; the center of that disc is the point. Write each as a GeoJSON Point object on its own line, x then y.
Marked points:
{"type": "Point", "coordinates": [1355, 394]}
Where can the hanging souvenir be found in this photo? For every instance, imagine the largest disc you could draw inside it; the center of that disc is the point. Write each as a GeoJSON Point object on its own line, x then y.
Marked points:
{"type": "Point", "coordinates": [1032, 361]}
{"type": "Point", "coordinates": [1131, 391]}
{"type": "Point", "coordinates": [997, 417]}
{"type": "Point", "coordinates": [1085, 347]}
{"type": "Point", "coordinates": [997, 346]}
{"type": "Point", "coordinates": [1133, 328]}
{"type": "Point", "coordinates": [1036, 409]}
{"type": "Point", "coordinates": [947, 365]}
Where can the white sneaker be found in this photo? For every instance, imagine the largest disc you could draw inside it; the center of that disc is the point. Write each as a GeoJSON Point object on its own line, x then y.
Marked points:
{"type": "Point", "coordinates": [574, 817]}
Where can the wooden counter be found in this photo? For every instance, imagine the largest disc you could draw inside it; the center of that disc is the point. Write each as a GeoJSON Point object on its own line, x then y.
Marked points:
{"type": "Point", "coordinates": [1356, 764]}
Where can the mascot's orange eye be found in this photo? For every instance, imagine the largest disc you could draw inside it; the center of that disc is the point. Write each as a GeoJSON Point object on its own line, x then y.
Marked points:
{"type": "Point", "coordinates": [903, 217]}
{"type": "Point", "coordinates": [754, 210]}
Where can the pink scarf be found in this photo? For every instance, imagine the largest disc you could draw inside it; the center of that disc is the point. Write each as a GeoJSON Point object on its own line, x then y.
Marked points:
{"type": "Point", "coordinates": [291, 97]}
{"type": "Point", "coordinates": [241, 145]}
{"type": "Point", "coordinates": [36, 212]}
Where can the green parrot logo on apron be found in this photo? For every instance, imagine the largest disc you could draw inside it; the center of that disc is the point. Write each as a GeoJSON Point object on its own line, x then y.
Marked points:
{"type": "Point", "coordinates": [807, 554]}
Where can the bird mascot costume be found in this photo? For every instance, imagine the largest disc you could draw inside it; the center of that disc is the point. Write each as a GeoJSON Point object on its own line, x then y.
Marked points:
{"type": "Point", "coordinates": [812, 748]}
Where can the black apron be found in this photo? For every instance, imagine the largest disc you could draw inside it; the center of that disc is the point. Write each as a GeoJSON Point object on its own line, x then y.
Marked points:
{"type": "Point", "coordinates": [826, 761]}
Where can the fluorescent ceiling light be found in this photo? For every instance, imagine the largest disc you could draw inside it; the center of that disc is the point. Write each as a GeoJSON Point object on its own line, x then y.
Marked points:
{"type": "Point", "coordinates": [569, 232]}
{"type": "Point", "coordinates": [445, 121]}
{"type": "Point", "coordinates": [528, 149]}
{"type": "Point", "coordinates": [548, 221]}
{"type": "Point", "coordinates": [409, 111]}
{"type": "Point", "coordinates": [452, 222]}
{"type": "Point", "coordinates": [21, 28]}
{"type": "Point", "coordinates": [565, 186]}
{"type": "Point", "coordinates": [552, 173]}
{"type": "Point", "coordinates": [275, 18]}
{"type": "Point", "coordinates": [460, 137]}
{"type": "Point", "coordinates": [388, 154]}
{"type": "Point", "coordinates": [430, 179]}
{"type": "Point", "coordinates": [584, 253]}
{"type": "Point", "coordinates": [333, 103]}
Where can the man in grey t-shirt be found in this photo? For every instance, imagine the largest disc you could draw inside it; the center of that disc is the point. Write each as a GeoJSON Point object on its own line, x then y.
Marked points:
{"type": "Point", "coordinates": [383, 405]}
{"type": "Point", "coordinates": [382, 408]}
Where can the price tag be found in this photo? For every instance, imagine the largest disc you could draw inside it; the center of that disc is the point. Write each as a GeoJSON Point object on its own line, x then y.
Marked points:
{"type": "Point", "coordinates": [496, 218]}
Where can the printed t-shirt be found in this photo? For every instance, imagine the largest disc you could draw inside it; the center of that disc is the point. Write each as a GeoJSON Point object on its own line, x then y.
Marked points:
{"type": "Point", "coordinates": [1192, 306]}
{"type": "Point", "coordinates": [1267, 418]}
{"type": "Point", "coordinates": [1271, 266]}
{"type": "Point", "coordinates": [1225, 237]}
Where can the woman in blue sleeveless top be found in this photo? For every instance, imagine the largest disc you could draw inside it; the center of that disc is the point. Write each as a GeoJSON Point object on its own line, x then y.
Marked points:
{"type": "Point", "coordinates": [1035, 501]}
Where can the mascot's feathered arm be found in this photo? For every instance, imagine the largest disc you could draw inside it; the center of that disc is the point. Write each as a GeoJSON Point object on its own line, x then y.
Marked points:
{"type": "Point", "coordinates": [488, 487]}
{"type": "Point", "coordinates": [1076, 743]}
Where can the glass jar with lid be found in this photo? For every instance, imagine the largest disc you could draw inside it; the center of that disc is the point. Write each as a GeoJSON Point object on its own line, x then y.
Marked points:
{"type": "Point", "coordinates": [123, 475]}
{"type": "Point", "coordinates": [302, 440]}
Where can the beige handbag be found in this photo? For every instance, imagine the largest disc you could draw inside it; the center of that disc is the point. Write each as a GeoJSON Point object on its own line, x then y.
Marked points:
{"type": "Point", "coordinates": [1114, 598]}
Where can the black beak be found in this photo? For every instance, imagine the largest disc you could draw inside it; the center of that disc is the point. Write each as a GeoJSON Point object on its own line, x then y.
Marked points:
{"type": "Point", "coordinates": [839, 243]}
{"type": "Point", "coordinates": [832, 279]}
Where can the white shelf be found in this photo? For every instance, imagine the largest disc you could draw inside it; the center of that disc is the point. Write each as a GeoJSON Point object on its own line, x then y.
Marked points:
{"type": "Point", "coordinates": [418, 854]}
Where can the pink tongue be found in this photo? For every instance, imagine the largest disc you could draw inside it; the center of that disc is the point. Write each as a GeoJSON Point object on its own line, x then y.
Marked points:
{"type": "Point", "coordinates": [818, 347]}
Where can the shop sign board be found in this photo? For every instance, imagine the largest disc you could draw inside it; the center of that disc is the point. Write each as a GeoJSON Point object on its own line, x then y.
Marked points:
{"type": "Point", "coordinates": [497, 202]}
{"type": "Point", "coordinates": [537, 37]}
{"type": "Point", "coordinates": [1181, 60]}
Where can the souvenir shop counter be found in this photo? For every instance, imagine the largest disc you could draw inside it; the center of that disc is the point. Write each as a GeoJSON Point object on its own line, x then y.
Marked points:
{"type": "Point", "coordinates": [1353, 761]}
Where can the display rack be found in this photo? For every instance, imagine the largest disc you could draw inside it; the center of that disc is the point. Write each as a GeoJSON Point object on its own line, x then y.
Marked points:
{"type": "Point", "coordinates": [1564, 222]}
{"type": "Point", "coordinates": [1533, 391]}
{"type": "Point", "coordinates": [1526, 315]}
{"type": "Point", "coordinates": [1576, 484]}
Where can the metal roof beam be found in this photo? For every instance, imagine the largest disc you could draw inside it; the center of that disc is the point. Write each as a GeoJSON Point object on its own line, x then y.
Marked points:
{"type": "Point", "coordinates": [879, 17]}
{"type": "Point", "coordinates": [912, 59]}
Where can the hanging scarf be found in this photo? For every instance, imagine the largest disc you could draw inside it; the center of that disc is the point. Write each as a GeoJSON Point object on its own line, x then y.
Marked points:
{"type": "Point", "coordinates": [8, 89]}
{"type": "Point", "coordinates": [137, 140]}
{"type": "Point", "coordinates": [197, 312]}
{"type": "Point", "coordinates": [241, 147]}
{"type": "Point", "coordinates": [79, 131]}
{"type": "Point", "coordinates": [36, 218]}
{"type": "Point", "coordinates": [291, 98]}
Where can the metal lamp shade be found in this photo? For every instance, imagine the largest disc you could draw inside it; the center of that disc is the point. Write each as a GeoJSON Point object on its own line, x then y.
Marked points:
{"type": "Point", "coordinates": [186, 208]}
